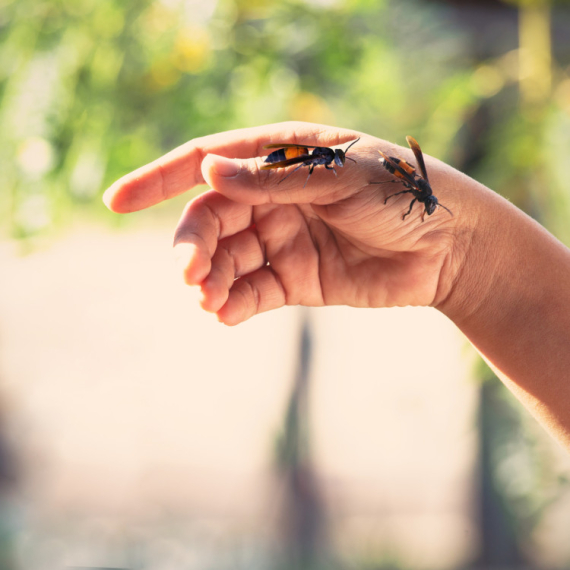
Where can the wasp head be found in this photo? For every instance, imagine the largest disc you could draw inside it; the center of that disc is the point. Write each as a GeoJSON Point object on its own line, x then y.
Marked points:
{"type": "Point", "coordinates": [339, 157]}
{"type": "Point", "coordinates": [431, 204]}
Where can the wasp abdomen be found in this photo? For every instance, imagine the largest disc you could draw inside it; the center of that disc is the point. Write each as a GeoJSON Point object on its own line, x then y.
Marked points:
{"type": "Point", "coordinates": [286, 154]}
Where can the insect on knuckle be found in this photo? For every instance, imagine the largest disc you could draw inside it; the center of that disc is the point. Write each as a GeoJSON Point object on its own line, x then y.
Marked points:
{"type": "Point", "coordinates": [416, 184]}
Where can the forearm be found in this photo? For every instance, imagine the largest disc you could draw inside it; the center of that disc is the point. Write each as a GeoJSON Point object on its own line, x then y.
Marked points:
{"type": "Point", "coordinates": [511, 298]}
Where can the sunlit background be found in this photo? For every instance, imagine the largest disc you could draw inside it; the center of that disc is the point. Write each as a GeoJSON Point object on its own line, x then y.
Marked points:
{"type": "Point", "coordinates": [138, 433]}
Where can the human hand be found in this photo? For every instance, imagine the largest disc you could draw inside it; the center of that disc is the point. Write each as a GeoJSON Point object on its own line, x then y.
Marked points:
{"type": "Point", "coordinates": [254, 245]}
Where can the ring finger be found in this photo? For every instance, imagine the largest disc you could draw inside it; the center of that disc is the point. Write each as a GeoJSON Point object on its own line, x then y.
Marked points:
{"type": "Point", "coordinates": [235, 256]}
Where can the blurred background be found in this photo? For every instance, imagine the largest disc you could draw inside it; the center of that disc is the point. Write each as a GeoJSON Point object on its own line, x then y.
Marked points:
{"type": "Point", "coordinates": [137, 432]}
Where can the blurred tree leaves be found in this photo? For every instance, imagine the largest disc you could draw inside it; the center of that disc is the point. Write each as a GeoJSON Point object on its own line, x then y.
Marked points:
{"type": "Point", "coordinates": [92, 90]}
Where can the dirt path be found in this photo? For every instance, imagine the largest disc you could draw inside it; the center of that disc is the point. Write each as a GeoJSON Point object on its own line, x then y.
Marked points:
{"type": "Point", "coordinates": [127, 400]}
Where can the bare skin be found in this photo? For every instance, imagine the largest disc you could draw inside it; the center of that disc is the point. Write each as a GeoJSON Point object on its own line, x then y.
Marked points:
{"type": "Point", "coordinates": [253, 245]}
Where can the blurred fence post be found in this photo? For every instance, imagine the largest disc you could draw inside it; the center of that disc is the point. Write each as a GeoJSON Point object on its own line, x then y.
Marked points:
{"type": "Point", "coordinates": [499, 540]}
{"type": "Point", "coordinates": [535, 57]}
{"type": "Point", "coordinates": [303, 530]}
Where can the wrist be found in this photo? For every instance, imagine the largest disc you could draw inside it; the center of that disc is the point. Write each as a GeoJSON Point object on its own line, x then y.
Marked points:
{"type": "Point", "coordinates": [480, 254]}
{"type": "Point", "coordinates": [503, 268]}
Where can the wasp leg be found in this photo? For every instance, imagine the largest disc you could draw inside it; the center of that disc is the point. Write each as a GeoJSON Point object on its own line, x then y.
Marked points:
{"type": "Point", "coordinates": [295, 170]}
{"type": "Point", "coordinates": [331, 168]}
{"type": "Point", "coordinates": [397, 194]}
{"type": "Point", "coordinates": [310, 172]}
{"type": "Point", "coordinates": [411, 206]}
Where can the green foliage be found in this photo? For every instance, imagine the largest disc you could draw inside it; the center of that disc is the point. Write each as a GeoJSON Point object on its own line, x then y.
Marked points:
{"type": "Point", "coordinates": [92, 90]}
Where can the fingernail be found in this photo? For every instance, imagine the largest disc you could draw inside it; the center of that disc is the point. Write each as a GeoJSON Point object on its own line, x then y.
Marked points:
{"type": "Point", "coordinates": [225, 167]}
{"type": "Point", "coordinates": [107, 198]}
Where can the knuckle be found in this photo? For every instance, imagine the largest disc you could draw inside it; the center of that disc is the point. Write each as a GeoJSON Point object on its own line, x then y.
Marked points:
{"type": "Point", "coordinates": [251, 296]}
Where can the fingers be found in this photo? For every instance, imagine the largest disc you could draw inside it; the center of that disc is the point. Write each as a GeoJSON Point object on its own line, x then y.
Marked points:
{"type": "Point", "coordinates": [255, 293]}
{"type": "Point", "coordinates": [239, 283]}
{"type": "Point", "coordinates": [291, 276]}
{"type": "Point", "coordinates": [179, 170]}
{"type": "Point", "coordinates": [230, 267]}
{"type": "Point", "coordinates": [205, 221]}
{"type": "Point", "coordinates": [224, 247]}
{"type": "Point", "coordinates": [216, 244]}
{"type": "Point", "coordinates": [236, 256]}
{"type": "Point", "coordinates": [245, 181]}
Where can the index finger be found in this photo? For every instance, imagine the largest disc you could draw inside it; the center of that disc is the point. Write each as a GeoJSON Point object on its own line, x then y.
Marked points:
{"type": "Point", "coordinates": [179, 170]}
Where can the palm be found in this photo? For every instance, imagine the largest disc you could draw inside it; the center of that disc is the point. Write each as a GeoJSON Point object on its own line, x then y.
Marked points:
{"type": "Point", "coordinates": [371, 259]}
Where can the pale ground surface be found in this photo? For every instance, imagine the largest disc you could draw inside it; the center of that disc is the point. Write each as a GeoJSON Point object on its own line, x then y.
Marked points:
{"type": "Point", "coordinates": [141, 419]}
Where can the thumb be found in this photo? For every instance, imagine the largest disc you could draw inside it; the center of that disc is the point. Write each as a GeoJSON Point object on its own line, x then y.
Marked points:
{"type": "Point", "coordinates": [244, 181]}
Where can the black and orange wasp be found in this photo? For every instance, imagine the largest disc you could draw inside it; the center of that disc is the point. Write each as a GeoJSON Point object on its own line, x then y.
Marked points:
{"type": "Point", "coordinates": [415, 184]}
{"type": "Point", "coordinates": [300, 154]}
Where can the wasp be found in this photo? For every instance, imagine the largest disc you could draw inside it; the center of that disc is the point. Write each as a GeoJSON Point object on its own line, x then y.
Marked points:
{"type": "Point", "coordinates": [301, 154]}
{"type": "Point", "coordinates": [415, 184]}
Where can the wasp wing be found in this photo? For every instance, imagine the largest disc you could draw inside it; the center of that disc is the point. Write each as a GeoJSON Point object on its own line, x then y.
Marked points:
{"type": "Point", "coordinates": [403, 173]}
{"type": "Point", "coordinates": [284, 163]}
{"type": "Point", "coordinates": [284, 145]}
{"type": "Point", "coordinates": [418, 154]}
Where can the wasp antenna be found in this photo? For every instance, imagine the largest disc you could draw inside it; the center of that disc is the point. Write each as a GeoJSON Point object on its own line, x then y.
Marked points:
{"type": "Point", "coordinates": [353, 142]}
{"type": "Point", "coordinates": [446, 209]}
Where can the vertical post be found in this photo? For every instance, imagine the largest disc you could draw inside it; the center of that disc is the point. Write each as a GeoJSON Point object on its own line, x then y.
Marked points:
{"type": "Point", "coordinates": [302, 513]}
{"type": "Point", "coordinates": [535, 52]}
